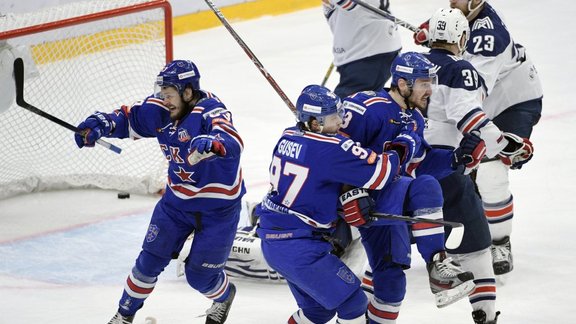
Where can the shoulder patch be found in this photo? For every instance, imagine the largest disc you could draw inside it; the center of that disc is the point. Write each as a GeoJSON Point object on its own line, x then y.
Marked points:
{"type": "Point", "coordinates": [354, 107]}
{"type": "Point", "coordinates": [214, 112]}
{"type": "Point", "coordinates": [347, 145]}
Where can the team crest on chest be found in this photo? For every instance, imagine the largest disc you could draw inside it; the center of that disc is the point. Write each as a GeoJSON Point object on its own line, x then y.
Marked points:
{"type": "Point", "coordinates": [183, 135]}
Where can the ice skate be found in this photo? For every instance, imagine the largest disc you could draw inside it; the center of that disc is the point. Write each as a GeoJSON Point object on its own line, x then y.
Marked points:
{"type": "Point", "coordinates": [502, 261]}
{"type": "Point", "coordinates": [448, 282]}
{"type": "Point", "coordinates": [479, 317]}
{"type": "Point", "coordinates": [218, 313]}
{"type": "Point", "coordinates": [119, 319]}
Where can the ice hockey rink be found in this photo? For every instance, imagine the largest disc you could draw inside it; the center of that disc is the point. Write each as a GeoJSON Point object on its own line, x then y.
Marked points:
{"type": "Point", "coordinates": [65, 255]}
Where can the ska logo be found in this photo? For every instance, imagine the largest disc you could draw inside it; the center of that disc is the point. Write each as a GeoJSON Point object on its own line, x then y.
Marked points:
{"type": "Point", "coordinates": [441, 25]}
{"type": "Point", "coordinates": [345, 274]}
{"type": "Point", "coordinates": [152, 233]}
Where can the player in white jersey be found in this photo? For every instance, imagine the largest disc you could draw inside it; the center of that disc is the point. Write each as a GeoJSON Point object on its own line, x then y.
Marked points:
{"type": "Point", "coordinates": [513, 102]}
{"type": "Point", "coordinates": [364, 45]}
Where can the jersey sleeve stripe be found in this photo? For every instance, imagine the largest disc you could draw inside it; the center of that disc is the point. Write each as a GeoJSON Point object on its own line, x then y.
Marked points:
{"type": "Point", "coordinates": [232, 132]}
{"type": "Point", "coordinates": [381, 175]}
{"type": "Point", "coordinates": [473, 120]}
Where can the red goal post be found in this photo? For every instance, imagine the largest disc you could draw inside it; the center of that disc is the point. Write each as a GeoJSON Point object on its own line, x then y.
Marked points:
{"type": "Point", "coordinates": [81, 57]}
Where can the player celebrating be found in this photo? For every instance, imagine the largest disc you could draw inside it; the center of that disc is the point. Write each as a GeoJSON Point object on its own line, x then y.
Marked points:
{"type": "Point", "coordinates": [309, 165]}
{"type": "Point", "coordinates": [373, 119]}
{"type": "Point", "coordinates": [205, 186]}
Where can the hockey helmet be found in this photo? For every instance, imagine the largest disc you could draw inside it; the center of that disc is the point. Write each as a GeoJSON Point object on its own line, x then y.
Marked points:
{"type": "Point", "coordinates": [318, 102]}
{"type": "Point", "coordinates": [179, 74]}
{"type": "Point", "coordinates": [448, 26]}
{"type": "Point", "coordinates": [411, 66]}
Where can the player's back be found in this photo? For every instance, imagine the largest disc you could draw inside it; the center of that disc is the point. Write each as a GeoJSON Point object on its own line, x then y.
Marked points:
{"type": "Point", "coordinates": [508, 74]}
{"type": "Point", "coordinates": [307, 173]}
{"type": "Point", "coordinates": [458, 94]}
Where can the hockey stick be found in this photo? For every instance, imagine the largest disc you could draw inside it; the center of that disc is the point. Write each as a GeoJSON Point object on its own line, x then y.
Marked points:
{"type": "Point", "coordinates": [330, 68]}
{"type": "Point", "coordinates": [19, 78]}
{"type": "Point", "coordinates": [251, 55]}
{"type": "Point", "coordinates": [386, 15]}
{"type": "Point", "coordinates": [452, 241]}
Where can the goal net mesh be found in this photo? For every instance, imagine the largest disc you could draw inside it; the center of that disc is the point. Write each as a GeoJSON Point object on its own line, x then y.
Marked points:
{"type": "Point", "coordinates": [79, 58]}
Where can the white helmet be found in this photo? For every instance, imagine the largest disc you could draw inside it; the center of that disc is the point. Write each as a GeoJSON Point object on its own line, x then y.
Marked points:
{"type": "Point", "coordinates": [448, 25]}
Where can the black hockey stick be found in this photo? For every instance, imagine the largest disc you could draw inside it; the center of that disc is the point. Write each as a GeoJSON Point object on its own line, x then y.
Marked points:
{"type": "Point", "coordinates": [386, 15]}
{"type": "Point", "coordinates": [251, 56]}
{"type": "Point", "coordinates": [19, 78]}
{"type": "Point", "coordinates": [452, 241]}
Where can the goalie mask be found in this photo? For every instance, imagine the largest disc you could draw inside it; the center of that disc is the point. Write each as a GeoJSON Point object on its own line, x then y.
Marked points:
{"type": "Point", "coordinates": [178, 74]}
{"type": "Point", "coordinates": [448, 26]}
{"type": "Point", "coordinates": [317, 102]}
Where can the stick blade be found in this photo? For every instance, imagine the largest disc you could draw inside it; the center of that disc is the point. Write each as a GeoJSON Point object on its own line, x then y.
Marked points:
{"type": "Point", "coordinates": [19, 79]}
{"type": "Point", "coordinates": [455, 238]}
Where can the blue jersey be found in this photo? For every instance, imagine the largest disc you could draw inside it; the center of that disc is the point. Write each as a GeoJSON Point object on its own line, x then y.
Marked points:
{"type": "Point", "coordinates": [193, 185]}
{"type": "Point", "coordinates": [307, 173]}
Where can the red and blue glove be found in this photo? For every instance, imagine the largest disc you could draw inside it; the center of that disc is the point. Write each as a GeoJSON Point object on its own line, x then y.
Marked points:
{"type": "Point", "coordinates": [421, 36]}
{"type": "Point", "coordinates": [95, 126]}
{"type": "Point", "coordinates": [208, 144]}
{"type": "Point", "coordinates": [470, 152]}
{"type": "Point", "coordinates": [356, 205]}
{"type": "Point", "coordinates": [518, 151]}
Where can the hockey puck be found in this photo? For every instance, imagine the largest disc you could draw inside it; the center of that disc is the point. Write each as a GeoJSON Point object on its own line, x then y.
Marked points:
{"type": "Point", "coordinates": [150, 320]}
{"type": "Point", "coordinates": [123, 195]}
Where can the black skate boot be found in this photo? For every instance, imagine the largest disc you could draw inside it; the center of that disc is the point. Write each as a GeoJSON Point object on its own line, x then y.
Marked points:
{"type": "Point", "coordinates": [119, 319]}
{"type": "Point", "coordinates": [479, 317]}
{"type": "Point", "coordinates": [502, 261]}
{"type": "Point", "coordinates": [218, 313]}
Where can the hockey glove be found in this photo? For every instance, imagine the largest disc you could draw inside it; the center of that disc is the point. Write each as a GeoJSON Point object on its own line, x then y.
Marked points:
{"type": "Point", "coordinates": [406, 144]}
{"type": "Point", "coordinates": [470, 152]}
{"type": "Point", "coordinates": [208, 143]}
{"type": "Point", "coordinates": [95, 126]}
{"type": "Point", "coordinates": [421, 36]}
{"type": "Point", "coordinates": [356, 204]}
{"type": "Point", "coordinates": [518, 151]}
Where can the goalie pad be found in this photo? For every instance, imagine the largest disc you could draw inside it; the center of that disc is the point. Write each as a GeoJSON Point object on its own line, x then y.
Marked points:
{"type": "Point", "coordinates": [245, 261]}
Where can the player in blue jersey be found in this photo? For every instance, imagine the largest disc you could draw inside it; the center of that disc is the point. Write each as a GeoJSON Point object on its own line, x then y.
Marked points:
{"type": "Point", "coordinates": [309, 165]}
{"type": "Point", "coordinates": [373, 119]}
{"type": "Point", "coordinates": [364, 44]}
{"type": "Point", "coordinates": [205, 186]}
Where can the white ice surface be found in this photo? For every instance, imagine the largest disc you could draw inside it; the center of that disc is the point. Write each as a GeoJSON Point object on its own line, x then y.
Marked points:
{"type": "Point", "coordinates": [64, 255]}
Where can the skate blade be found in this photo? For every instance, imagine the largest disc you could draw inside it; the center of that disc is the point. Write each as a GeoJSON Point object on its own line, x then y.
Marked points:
{"type": "Point", "coordinates": [448, 297]}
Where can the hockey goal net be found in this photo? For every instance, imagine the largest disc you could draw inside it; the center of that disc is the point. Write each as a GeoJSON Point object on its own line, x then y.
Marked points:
{"type": "Point", "coordinates": [82, 57]}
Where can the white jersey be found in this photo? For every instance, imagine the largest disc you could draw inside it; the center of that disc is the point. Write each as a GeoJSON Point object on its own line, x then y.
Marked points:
{"type": "Point", "coordinates": [358, 32]}
{"type": "Point", "coordinates": [509, 75]}
{"type": "Point", "coordinates": [455, 106]}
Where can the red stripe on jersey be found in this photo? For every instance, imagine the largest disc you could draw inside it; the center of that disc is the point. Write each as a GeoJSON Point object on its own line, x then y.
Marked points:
{"type": "Point", "coordinates": [383, 172]}
{"type": "Point", "coordinates": [470, 125]}
{"type": "Point", "coordinates": [191, 193]}
{"type": "Point", "coordinates": [232, 132]}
